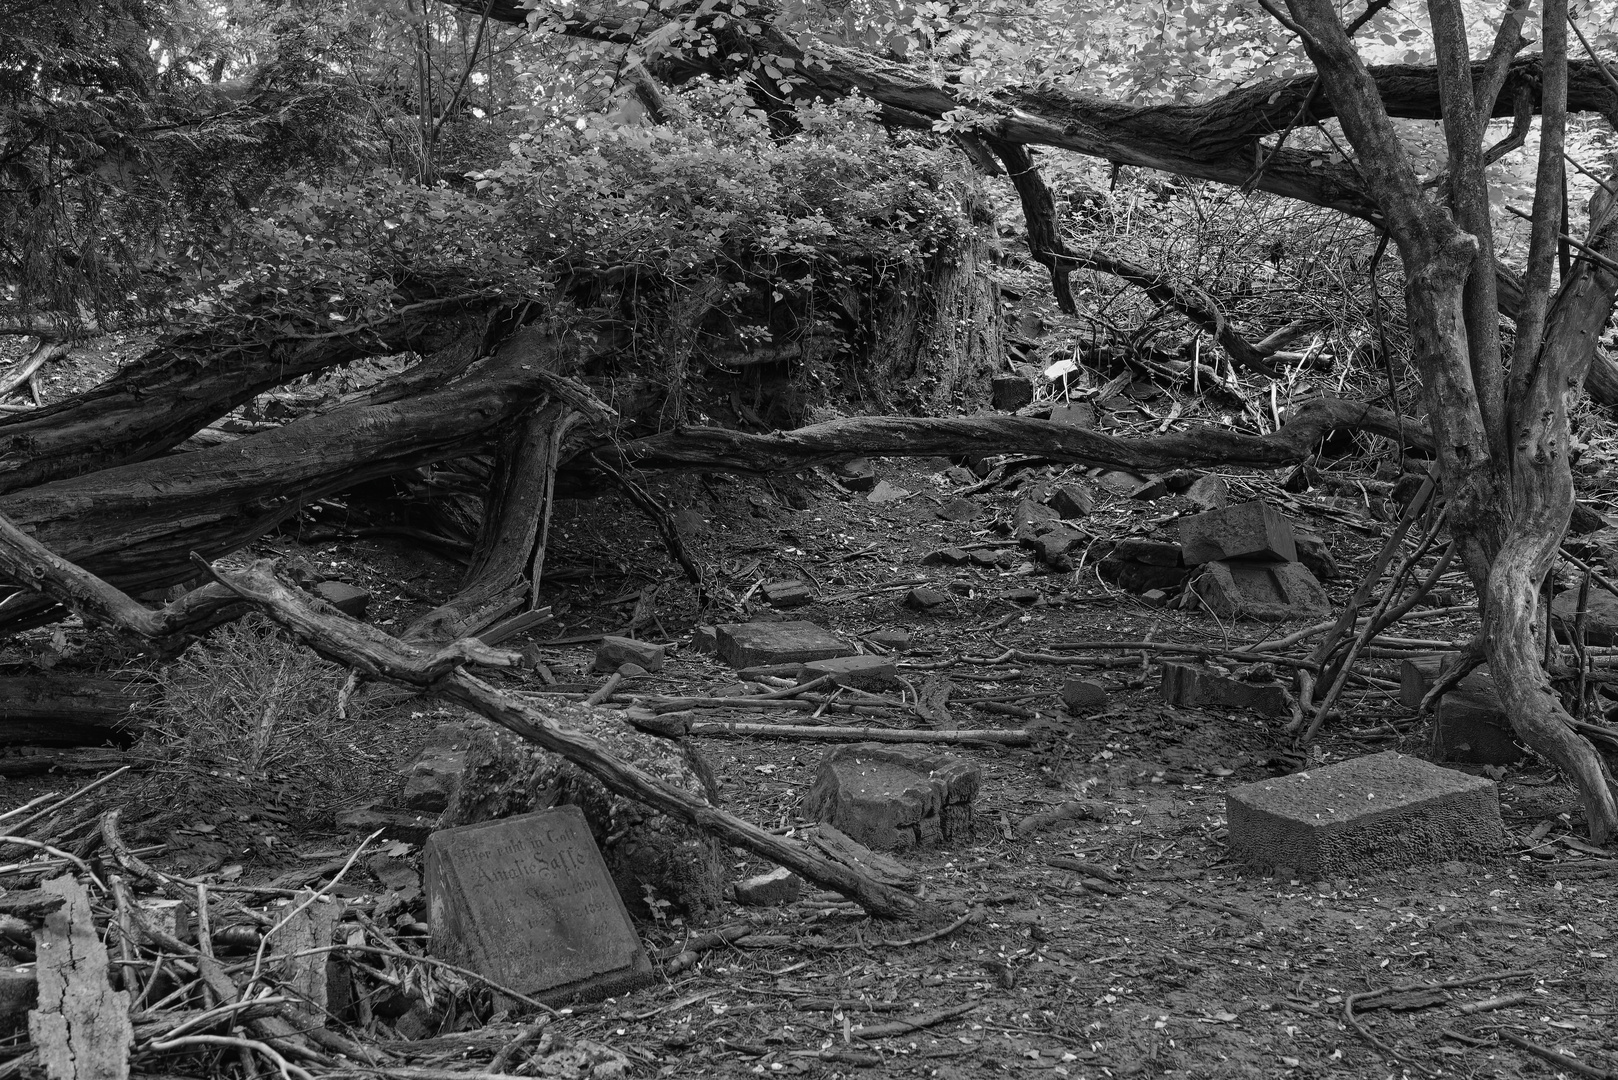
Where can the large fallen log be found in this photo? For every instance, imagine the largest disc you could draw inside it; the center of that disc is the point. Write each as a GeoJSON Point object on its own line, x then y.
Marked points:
{"type": "Point", "coordinates": [165, 396]}
{"type": "Point", "coordinates": [723, 450]}
{"type": "Point", "coordinates": [439, 670]}
{"type": "Point", "coordinates": [65, 710]}
{"type": "Point", "coordinates": [136, 525]}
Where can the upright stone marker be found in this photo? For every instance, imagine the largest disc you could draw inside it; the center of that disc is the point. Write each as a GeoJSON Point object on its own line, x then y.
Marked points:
{"type": "Point", "coordinates": [527, 901]}
{"type": "Point", "coordinates": [1371, 813]}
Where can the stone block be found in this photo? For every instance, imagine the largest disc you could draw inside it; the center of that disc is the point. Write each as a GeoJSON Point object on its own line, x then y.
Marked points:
{"type": "Point", "coordinates": [1253, 530]}
{"type": "Point", "coordinates": [923, 598]}
{"type": "Point", "coordinates": [527, 901]}
{"type": "Point", "coordinates": [1074, 414]}
{"type": "Point", "coordinates": [1316, 554]}
{"type": "Point", "coordinates": [1152, 552]}
{"type": "Point", "coordinates": [1418, 673]}
{"type": "Point", "coordinates": [1192, 687]}
{"type": "Point", "coordinates": [433, 778]}
{"type": "Point", "coordinates": [1150, 489]}
{"type": "Point", "coordinates": [787, 594]}
{"type": "Point", "coordinates": [993, 560]}
{"type": "Point", "coordinates": [1082, 696]}
{"type": "Point", "coordinates": [345, 598]}
{"type": "Point", "coordinates": [1056, 548]}
{"type": "Point", "coordinates": [893, 640]}
{"type": "Point", "coordinates": [779, 886]}
{"type": "Point", "coordinates": [1209, 493]}
{"type": "Point", "coordinates": [704, 639]}
{"type": "Point", "coordinates": [1268, 592]}
{"type": "Point", "coordinates": [1155, 598]}
{"type": "Point", "coordinates": [408, 826]}
{"type": "Point", "coordinates": [858, 672]}
{"type": "Point", "coordinates": [614, 652]}
{"type": "Point", "coordinates": [857, 474]}
{"type": "Point", "coordinates": [1011, 392]}
{"type": "Point", "coordinates": [951, 556]}
{"type": "Point", "coordinates": [1029, 512]}
{"type": "Point", "coordinates": [1600, 620]}
{"type": "Point", "coordinates": [749, 644]}
{"type": "Point", "coordinates": [1120, 482]}
{"type": "Point", "coordinates": [1142, 578]}
{"type": "Point", "coordinates": [885, 492]}
{"type": "Point", "coordinates": [1471, 727]}
{"type": "Point", "coordinates": [893, 798]}
{"type": "Point", "coordinates": [1369, 814]}
{"type": "Point", "coordinates": [1072, 501]}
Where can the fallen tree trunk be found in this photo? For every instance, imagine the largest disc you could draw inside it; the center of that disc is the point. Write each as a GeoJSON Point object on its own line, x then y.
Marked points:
{"type": "Point", "coordinates": [136, 525]}
{"type": "Point", "coordinates": [720, 449]}
{"type": "Point", "coordinates": [438, 670]}
{"type": "Point", "coordinates": [167, 395]}
{"type": "Point", "coordinates": [65, 710]}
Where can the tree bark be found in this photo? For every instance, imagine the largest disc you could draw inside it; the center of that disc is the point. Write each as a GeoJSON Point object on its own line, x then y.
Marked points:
{"type": "Point", "coordinates": [161, 399]}
{"type": "Point", "coordinates": [65, 710]}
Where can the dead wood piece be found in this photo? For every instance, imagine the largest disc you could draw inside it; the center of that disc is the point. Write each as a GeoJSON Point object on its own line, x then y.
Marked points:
{"type": "Point", "coordinates": [65, 710]}
{"type": "Point", "coordinates": [1502, 1001]}
{"type": "Point", "coordinates": [1075, 810]}
{"type": "Point", "coordinates": [1093, 881]}
{"type": "Point", "coordinates": [31, 904]}
{"type": "Point", "coordinates": [81, 1027]}
{"type": "Point", "coordinates": [719, 449]}
{"type": "Point", "coordinates": [869, 1032]}
{"type": "Point", "coordinates": [855, 734]}
{"type": "Point", "coordinates": [840, 847]}
{"type": "Point", "coordinates": [68, 762]}
{"type": "Point", "coordinates": [1557, 1058]}
{"type": "Point", "coordinates": [681, 957]}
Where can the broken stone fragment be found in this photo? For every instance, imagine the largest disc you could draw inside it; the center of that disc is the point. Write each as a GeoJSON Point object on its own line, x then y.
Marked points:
{"type": "Point", "coordinates": [1029, 512]}
{"type": "Point", "coordinates": [1209, 493]}
{"type": "Point", "coordinates": [704, 639]}
{"type": "Point", "coordinates": [885, 492]}
{"type": "Point", "coordinates": [894, 640]}
{"type": "Point", "coordinates": [1074, 414]}
{"type": "Point", "coordinates": [857, 474]}
{"type": "Point", "coordinates": [1600, 620]}
{"type": "Point", "coordinates": [1255, 531]}
{"type": "Point", "coordinates": [893, 798]}
{"type": "Point", "coordinates": [744, 645]}
{"type": "Point", "coordinates": [614, 652]}
{"type": "Point", "coordinates": [1192, 687]}
{"type": "Point", "coordinates": [1268, 592]}
{"type": "Point", "coordinates": [1072, 501]}
{"type": "Point", "coordinates": [1011, 392]}
{"type": "Point", "coordinates": [1315, 553]}
{"type": "Point", "coordinates": [1056, 548]}
{"type": "Point", "coordinates": [779, 886]}
{"type": "Point", "coordinates": [1152, 552]}
{"type": "Point", "coordinates": [1150, 489]}
{"type": "Point", "coordinates": [959, 509]}
{"type": "Point", "coordinates": [436, 772]}
{"type": "Point", "coordinates": [1138, 577]}
{"type": "Point", "coordinates": [345, 598]}
{"type": "Point", "coordinates": [787, 594]}
{"type": "Point", "coordinates": [924, 599]}
{"type": "Point", "coordinates": [1119, 482]}
{"type": "Point", "coordinates": [1365, 815]}
{"type": "Point", "coordinates": [1084, 696]}
{"type": "Point", "coordinates": [858, 672]}
{"type": "Point", "coordinates": [946, 557]}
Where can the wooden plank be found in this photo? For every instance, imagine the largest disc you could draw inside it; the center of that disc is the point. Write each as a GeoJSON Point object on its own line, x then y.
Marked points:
{"type": "Point", "coordinates": [81, 1028]}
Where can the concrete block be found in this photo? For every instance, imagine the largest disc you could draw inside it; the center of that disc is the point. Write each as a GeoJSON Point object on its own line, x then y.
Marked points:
{"type": "Point", "coordinates": [892, 798]}
{"type": "Point", "coordinates": [749, 644]}
{"type": "Point", "coordinates": [1083, 696]}
{"type": "Point", "coordinates": [527, 901]}
{"type": "Point", "coordinates": [787, 594]}
{"type": "Point", "coordinates": [1374, 813]}
{"type": "Point", "coordinates": [613, 653]}
{"type": "Point", "coordinates": [1268, 592]}
{"type": "Point", "coordinates": [1253, 530]}
{"type": "Point", "coordinates": [1011, 392]}
{"type": "Point", "coordinates": [858, 672]}
{"type": "Point", "coordinates": [1192, 687]}
{"type": "Point", "coordinates": [1072, 501]}
{"type": "Point", "coordinates": [345, 598]}
{"type": "Point", "coordinates": [779, 886]}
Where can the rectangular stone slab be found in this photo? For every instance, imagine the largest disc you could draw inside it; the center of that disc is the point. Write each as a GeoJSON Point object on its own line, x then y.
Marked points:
{"type": "Point", "coordinates": [751, 644]}
{"type": "Point", "coordinates": [1268, 592]}
{"type": "Point", "coordinates": [1252, 530]}
{"type": "Point", "coordinates": [1372, 813]}
{"type": "Point", "coordinates": [1418, 673]}
{"type": "Point", "coordinates": [527, 901]}
{"type": "Point", "coordinates": [1192, 687]}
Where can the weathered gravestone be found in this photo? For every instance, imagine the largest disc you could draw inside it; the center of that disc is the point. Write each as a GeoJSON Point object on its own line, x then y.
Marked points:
{"type": "Point", "coordinates": [1373, 813]}
{"type": "Point", "coordinates": [750, 644]}
{"type": "Point", "coordinates": [528, 903]}
{"type": "Point", "coordinates": [1268, 592]}
{"type": "Point", "coordinates": [1251, 530]}
{"type": "Point", "coordinates": [892, 798]}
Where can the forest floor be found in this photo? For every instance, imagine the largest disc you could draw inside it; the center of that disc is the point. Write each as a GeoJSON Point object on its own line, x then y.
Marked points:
{"type": "Point", "coordinates": [1194, 968]}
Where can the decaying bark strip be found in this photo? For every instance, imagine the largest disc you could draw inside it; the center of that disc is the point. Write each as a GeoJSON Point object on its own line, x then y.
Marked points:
{"type": "Point", "coordinates": [81, 1028]}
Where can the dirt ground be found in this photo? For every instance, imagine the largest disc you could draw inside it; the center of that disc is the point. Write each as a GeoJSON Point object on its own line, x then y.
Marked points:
{"type": "Point", "coordinates": [1194, 968]}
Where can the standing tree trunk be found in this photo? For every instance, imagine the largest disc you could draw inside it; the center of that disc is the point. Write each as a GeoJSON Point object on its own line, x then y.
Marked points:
{"type": "Point", "coordinates": [1502, 437]}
